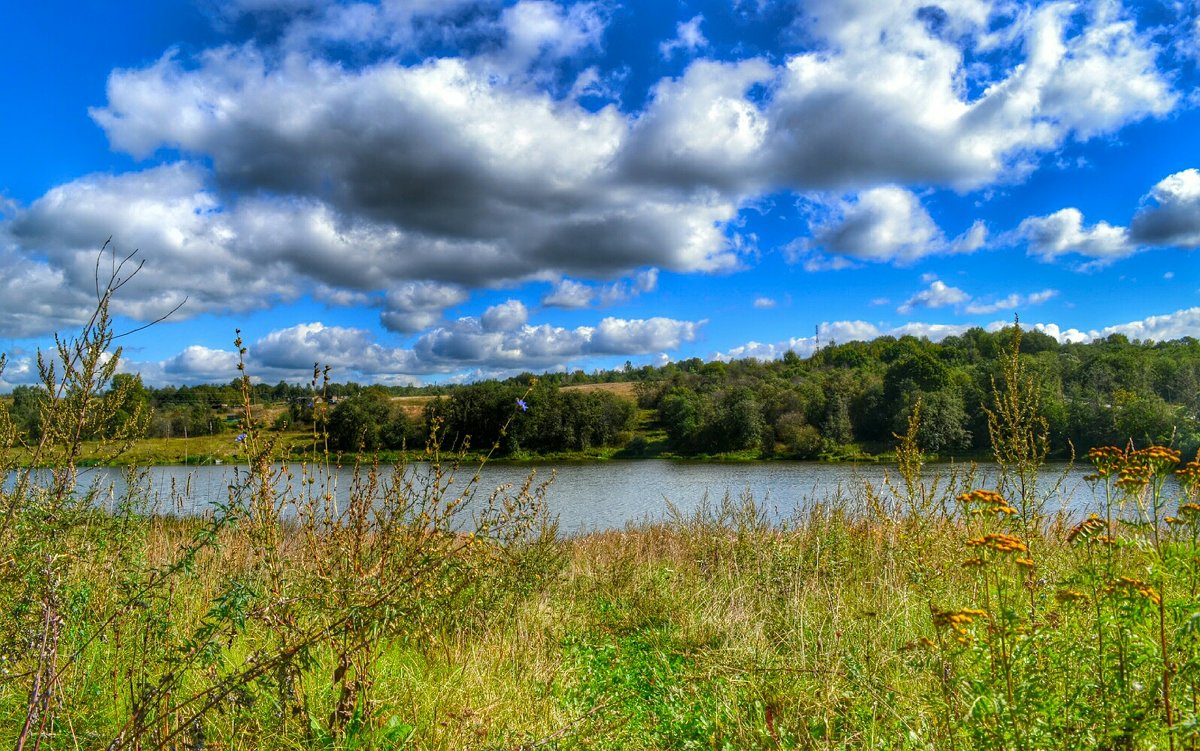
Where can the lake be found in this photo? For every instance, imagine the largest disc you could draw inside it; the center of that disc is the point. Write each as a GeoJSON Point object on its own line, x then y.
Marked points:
{"type": "Point", "coordinates": [596, 496]}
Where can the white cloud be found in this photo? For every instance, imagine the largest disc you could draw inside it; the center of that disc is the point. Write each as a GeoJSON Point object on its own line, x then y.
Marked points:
{"type": "Point", "coordinates": [1010, 302]}
{"type": "Point", "coordinates": [1063, 232]}
{"type": "Point", "coordinates": [198, 363]}
{"type": "Point", "coordinates": [18, 371]}
{"type": "Point", "coordinates": [882, 224]}
{"type": "Point", "coordinates": [507, 316]}
{"type": "Point", "coordinates": [568, 293]}
{"type": "Point", "coordinates": [1105, 77]}
{"type": "Point", "coordinates": [642, 282]}
{"type": "Point", "coordinates": [499, 342]}
{"type": "Point", "coordinates": [1064, 336]}
{"type": "Point", "coordinates": [1159, 328]}
{"type": "Point", "coordinates": [688, 38]}
{"type": "Point", "coordinates": [310, 171]}
{"type": "Point", "coordinates": [764, 303]}
{"type": "Point", "coordinates": [414, 306]}
{"type": "Point", "coordinates": [1172, 213]}
{"type": "Point", "coordinates": [827, 333]}
{"type": "Point", "coordinates": [540, 30]}
{"type": "Point", "coordinates": [1177, 325]}
{"type": "Point", "coordinates": [937, 295]}
{"type": "Point", "coordinates": [888, 96]}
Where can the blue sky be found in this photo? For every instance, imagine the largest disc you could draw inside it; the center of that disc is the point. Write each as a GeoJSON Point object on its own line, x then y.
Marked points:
{"type": "Point", "coordinates": [439, 190]}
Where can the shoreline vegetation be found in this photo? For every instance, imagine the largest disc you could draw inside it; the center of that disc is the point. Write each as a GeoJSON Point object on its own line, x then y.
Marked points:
{"type": "Point", "coordinates": [843, 403]}
{"type": "Point", "coordinates": [922, 612]}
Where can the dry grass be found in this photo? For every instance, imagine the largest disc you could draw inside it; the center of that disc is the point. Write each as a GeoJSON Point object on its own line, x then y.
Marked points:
{"type": "Point", "coordinates": [625, 390]}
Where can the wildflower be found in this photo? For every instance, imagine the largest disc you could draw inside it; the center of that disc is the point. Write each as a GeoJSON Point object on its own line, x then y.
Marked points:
{"type": "Point", "coordinates": [1026, 562]}
{"type": "Point", "coordinates": [957, 621]}
{"type": "Point", "coordinates": [1189, 510]}
{"type": "Point", "coordinates": [987, 502]}
{"type": "Point", "coordinates": [1189, 476]}
{"type": "Point", "coordinates": [1069, 595]}
{"type": "Point", "coordinates": [1087, 529]}
{"type": "Point", "coordinates": [1106, 460]}
{"type": "Point", "coordinates": [521, 403]}
{"type": "Point", "coordinates": [1133, 586]}
{"type": "Point", "coordinates": [999, 542]}
{"type": "Point", "coordinates": [1134, 477]}
{"type": "Point", "coordinates": [241, 438]}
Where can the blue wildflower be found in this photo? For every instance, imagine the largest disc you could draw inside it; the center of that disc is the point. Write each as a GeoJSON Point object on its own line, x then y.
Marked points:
{"type": "Point", "coordinates": [241, 438]}
{"type": "Point", "coordinates": [521, 403]}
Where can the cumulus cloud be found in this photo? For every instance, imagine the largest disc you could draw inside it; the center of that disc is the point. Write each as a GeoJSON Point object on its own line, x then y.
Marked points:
{"type": "Point", "coordinates": [827, 333]}
{"type": "Point", "coordinates": [1064, 232]}
{"type": "Point", "coordinates": [764, 303]}
{"type": "Point", "coordinates": [309, 172]}
{"type": "Point", "coordinates": [500, 341]}
{"type": "Point", "coordinates": [1172, 213]}
{"type": "Point", "coordinates": [886, 97]}
{"type": "Point", "coordinates": [1169, 216]}
{"type": "Point", "coordinates": [1010, 302]}
{"type": "Point", "coordinates": [1177, 325]}
{"type": "Point", "coordinates": [507, 316]}
{"type": "Point", "coordinates": [1159, 328]}
{"type": "Point", "coordinates": [414, 306]}
{"type": "Point", "coordinates": [568, 293]}
{"type": "Point", "coordinates": [642, 282]}
{"type": "Point", "coordinates": [18, 371]}
{"type": "Point", "coordinates": [688, 38]}
{"type": "Point", "coordinates": [537, 29]}
{"type": "Point", "coordinates": [881, 224]}
{"type": "Point", "coordinates": [937, 295]}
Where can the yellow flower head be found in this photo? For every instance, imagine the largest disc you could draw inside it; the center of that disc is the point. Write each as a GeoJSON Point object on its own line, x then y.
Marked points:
{"type": "Point", "coordinates": [1086, 530]}
{"type": "Point", "coordinates": [1128, 587]}
{"type": "Point", "coordinates": [985, 502]}
{"type": "Point", "coordinates": [998, 542]}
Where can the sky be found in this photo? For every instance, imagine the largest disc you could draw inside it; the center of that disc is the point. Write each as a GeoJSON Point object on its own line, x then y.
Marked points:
{"type": "Point", "coordinates": [438, 191]}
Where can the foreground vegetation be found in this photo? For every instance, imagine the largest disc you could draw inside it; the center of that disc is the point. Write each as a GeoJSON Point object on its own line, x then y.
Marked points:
{"type": "Point", "coordinates": [413, 610]}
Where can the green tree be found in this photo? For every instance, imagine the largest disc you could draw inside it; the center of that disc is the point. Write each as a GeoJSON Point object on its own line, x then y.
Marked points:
{"type": "Point", "coordinates": [367, 421]}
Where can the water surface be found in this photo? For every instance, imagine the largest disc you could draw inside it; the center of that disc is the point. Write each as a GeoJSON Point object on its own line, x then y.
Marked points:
{"type": "Point", "coordinates": [607, 495]}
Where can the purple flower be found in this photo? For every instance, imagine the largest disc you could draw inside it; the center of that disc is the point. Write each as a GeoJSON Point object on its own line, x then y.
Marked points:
{"type": "Point", "coordinates": [241, 438]}
{"type": "Point", "coordinates": [521, 403]}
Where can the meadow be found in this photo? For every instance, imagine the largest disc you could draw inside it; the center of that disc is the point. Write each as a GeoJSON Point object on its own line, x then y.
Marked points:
{"type": "Point", "coordinates": [427, 612]}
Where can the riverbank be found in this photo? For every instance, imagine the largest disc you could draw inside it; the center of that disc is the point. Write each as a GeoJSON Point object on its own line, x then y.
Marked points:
{"type": "Point", "coordinates": [300, 446]}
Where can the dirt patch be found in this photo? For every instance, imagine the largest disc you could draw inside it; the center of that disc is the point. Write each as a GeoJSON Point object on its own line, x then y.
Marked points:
{"type": "Point", "coordinates": [625, 389]}
{"type": "Point", "coordinates": [412, 406]}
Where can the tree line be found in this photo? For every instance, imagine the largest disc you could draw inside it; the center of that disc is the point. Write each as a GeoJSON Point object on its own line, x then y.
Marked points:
{"type": "Point", "coordinates": [844, 399]}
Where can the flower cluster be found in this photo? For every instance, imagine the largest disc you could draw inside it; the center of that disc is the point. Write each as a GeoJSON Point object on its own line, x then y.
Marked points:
{"type": "Point", "coordinates": [1091, 529]}
{"type": "Point", "coordinates": [1069, 595]}
{"type": "Point", "coordinates": [985, 502]}
{"type": "Point", "coordinates": [1106, 460]}
{"type": "Point", "coordinates": [999, 542]}
{"type": "Point", "coordinates": [957, 621]}
{"type": "Point", "coordinates": [1134, 469]}
{"type": "Point", "coordinates": [1189, 477]}
{"type": "Point", "coordinates": [1125, 585]}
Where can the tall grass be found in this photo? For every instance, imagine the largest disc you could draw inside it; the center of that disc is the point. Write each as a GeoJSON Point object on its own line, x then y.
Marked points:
{"type": "Point", "coordinates": [423, 612]}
